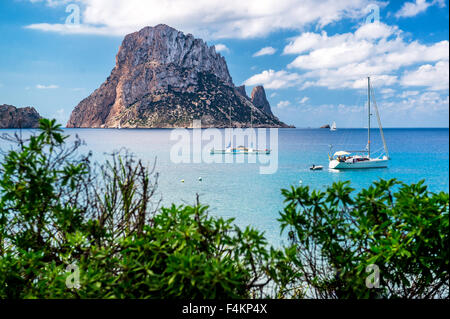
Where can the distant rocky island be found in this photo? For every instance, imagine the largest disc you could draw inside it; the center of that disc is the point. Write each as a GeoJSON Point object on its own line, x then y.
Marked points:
{"type": "Point", "coordinates": [166, 79]}
{"type": "Point", "coordinates": [13, 117]}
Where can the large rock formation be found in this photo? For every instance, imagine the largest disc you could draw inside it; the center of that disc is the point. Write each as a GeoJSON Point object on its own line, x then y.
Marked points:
{"type": "Point", "coordinates": [259, 99]}
{"type": "Point", "coordinates": [12, 117]}
{"type": "Point", "coordinates": [164, 78]}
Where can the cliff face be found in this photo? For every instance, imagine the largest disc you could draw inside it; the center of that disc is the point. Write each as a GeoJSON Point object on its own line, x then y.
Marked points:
{"type": "Point", "coordinates": [12, 117]}
{"type": "Point", "coordinates": [259, 99]}
{"type": "Point", "coordinates": [164, 78]}
{"type": "Point", "coordinates": [241, 90]}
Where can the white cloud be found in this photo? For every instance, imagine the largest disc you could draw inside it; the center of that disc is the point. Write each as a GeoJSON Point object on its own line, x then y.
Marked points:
{"type": "Point", "coordinates": [265, 51]}
{"type": "Point", "coordinates": [406, 94]}
{"type": "Point", "coordinates": [305, 42]}
{"type": "Point", "coordinates": [377, 81]}
{"type": "Point", "coordinates": [387, 91]}
{"type": "Point", "coordinates": [425, 103]}
{"type": "Point", "coordinates": [400, 53]}
{"type": "Point", "coordinates": [283, 104]}
{"type": "Point", "coordinates": [52, 3]}
{"type": "Point", "coordinates": [376, 30]}
{"type": "Point", "coordinates": [345, 60]}
{"type": "Point", "coordinates": [274, 80]}
{"type": "Point", "coordinates": [309, 40]}
{"type": "Point", "coordinates": [72, 29]}
{"type": "Point", "coordinates": [304, 100]}
{"type": "Point", "coordinates": [411, 9]}
{"type": "Point", "coordinates": [435, 77]}
{"type": "Point", "coordinates": [208, 18]}
{"type": "Point", "coordinates": [333, 57]}
{"type": "Point", "coordinates": [46, 87]}
{"type": "Point", "coordinates": [369, 47]}
{"type": "Point", "coordinates": [333, 79]}
{"type": "Point", "coordinates": [221, 48]}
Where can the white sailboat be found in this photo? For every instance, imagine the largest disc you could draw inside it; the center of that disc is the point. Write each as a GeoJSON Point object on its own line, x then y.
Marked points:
{"type": "Point", "coordinates": [240, 149]}
{"type": "Point", "coordinates": [347, 159]}
{"type": "Point", "coordinates": [333, 126]}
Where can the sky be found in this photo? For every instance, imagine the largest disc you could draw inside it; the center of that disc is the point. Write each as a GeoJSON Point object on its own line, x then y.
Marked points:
{"type": "Point", "coordinates": [312, 57]}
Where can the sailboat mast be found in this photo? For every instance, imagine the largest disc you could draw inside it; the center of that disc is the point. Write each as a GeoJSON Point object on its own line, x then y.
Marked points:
{"type": "Point", "coordinates": [379, 123]}
{"type": "Point", "coordinates": [251, 126]}
{"type": "Point", "coordinates": [368, 131]}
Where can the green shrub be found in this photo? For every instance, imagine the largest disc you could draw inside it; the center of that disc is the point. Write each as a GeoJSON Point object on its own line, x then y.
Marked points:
{"type": "Point", "coordinates": [404, 233]}
{"type": "Point", "coordinates": [59, 209]}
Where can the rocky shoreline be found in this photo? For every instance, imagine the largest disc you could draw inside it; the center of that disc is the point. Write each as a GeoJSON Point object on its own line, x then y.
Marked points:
{"type": "Point", "coordinates": [13, 117]}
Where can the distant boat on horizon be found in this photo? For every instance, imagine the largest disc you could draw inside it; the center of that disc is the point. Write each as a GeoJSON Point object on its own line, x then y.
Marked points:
{"type": "Point", "coordinates": [333, 126]}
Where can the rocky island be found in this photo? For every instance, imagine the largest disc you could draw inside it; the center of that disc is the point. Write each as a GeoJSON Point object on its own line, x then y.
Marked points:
{"type": "Point", "coordinates": [13, 117]}
{"type": "Point", "coordinates": [166, 79]}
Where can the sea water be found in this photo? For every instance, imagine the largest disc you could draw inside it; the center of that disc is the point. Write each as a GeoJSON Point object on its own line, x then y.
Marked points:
{"type": "Point", "coordinates": [238, 190]}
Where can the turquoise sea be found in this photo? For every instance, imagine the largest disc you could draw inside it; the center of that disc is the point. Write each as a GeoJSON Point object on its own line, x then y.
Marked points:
{"type": "Point", "coordinates": [238, 190]}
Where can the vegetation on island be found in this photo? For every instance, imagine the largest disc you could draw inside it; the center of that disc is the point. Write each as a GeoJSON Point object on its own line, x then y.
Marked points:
{"type": "Point", "coordinates": [64, 217]}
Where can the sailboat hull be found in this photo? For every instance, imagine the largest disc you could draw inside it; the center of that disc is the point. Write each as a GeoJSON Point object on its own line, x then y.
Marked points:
{"type": "Point", "coordinates": [372, 163]}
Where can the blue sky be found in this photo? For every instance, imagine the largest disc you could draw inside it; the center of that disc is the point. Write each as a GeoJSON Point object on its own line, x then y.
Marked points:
{"type": "Point", "coordinates": [311, 56]}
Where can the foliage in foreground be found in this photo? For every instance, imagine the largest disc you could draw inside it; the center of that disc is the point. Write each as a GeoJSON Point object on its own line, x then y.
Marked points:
{"type": "Point", "coordinates": [344, 242]}
{"type": "Point", "coordinates": [55, 212]}
{"type": "Point", "coordinates": [57, 208]}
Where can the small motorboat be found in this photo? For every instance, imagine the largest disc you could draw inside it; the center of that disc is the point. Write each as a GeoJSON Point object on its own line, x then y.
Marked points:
{"type": "Point", "coordinates": [316, 167]}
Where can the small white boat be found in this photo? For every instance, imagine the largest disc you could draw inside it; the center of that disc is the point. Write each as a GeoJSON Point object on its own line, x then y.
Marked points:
{"type": "Point", "coordinates": [333, 127]}
{"type": "Point", "coordinates": [347, 159]}
{"type": "Point", "coordinates": [316, 167]}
